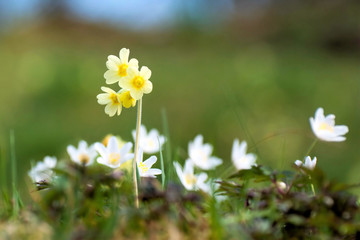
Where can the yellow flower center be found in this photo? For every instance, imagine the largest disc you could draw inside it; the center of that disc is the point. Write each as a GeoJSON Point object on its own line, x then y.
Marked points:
{"type": "Point", "coordinates": [114, 98]}
{"type": "Point", "coordinates": [127, 100]}
{"type": "Point", "coordinates": [84, 158]}
{"type": "Point", "coordinates": [114, 158]}
{"type": "Point", "coordinates": [138, 82]}
{"type": "Point", "coordinates": [143, 167]}
{"type": "Point", "coordinates": [190, 179]}
{"type": "Point", "coordinates": [326, 127]}
{"type": "Point", "coordinates": [122, 70]}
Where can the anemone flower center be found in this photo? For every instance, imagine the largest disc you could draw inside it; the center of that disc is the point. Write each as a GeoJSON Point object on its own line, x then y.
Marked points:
{"type": "Point", "coordinates": [190, 179]}
{"type": "Point", "coordinates": [122, 70]}
{"type": "Point", "coordinates": [114, 158]}
{"type": "Point", "coordinates": [326, 127]}
{"type": "Point", "coordinates": [138, 82]}
{"type": "Point", "coordinates": [84, 158]}
{"type": "Point", "coordinates": [143, 167]}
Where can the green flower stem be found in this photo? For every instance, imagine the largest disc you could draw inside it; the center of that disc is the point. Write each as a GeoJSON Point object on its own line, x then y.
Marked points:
{"type": "Point", "coordinates": [138, 124]}
{"type": "Point", "coordinates": [311, 147]}
{"type": "Point", "coordinates": [312, 187]}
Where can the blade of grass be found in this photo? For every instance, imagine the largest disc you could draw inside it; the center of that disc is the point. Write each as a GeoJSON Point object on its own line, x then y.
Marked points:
{"type": "Point", "coordinates": [233, 102]}
{"type": "Point", "coordinates": [15, 194]}
{"type": "Point", "coordinates": [3, 182]}
{"type": "Point", "coordinates": [163, 175]}
{"type": "Point", "coordinates": [167, 148]}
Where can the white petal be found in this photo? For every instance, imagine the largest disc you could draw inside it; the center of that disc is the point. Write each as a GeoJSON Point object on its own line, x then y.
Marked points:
{"type": "Point", "coordinates": [154, 171]}
{"type": "Point", "coordinates": [134, 63]}
{"type": "Point", "coordinates": [114, 59]}
{"type": "Point", "coordinates": [83, 146]}
{"type": "Point", "coordinates": [319, 114]}
{"type": "Point", "coordinates": [189, 167]}
{"type": "Point", "coordinates": [72, 152]}
{"type": "Point", "coordinates": [111, 65]}
{"type": "Point", "coordinates": [111, 77]}
{"type": "Point", "coordinates": [126, 148]}
{"type": "Point", "coordinates": [113, 145]}
{"type": "Point", "coordinates": [136, 94]}
{"type": "Point", "coordinates": [150, 161]}
{"type": "Point", "coordinates": [101, 149]}
{"type": "Point", "coordinates": [298, 163]}
{"type": "Point", "coordinates": [124, 55]}
{"type": "Point", "coordinates": [145, 72]}
{"type": "Point", "coordinates": [341, 130]}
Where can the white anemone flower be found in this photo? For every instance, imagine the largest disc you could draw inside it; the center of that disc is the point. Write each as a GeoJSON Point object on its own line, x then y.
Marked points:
{"type": "Point", "coordinates": [118, 66]}
{"type": "Point", "coordinates": [112, 155]}
{"type": "Point", "coordinates": [240, 158]}
{"type": "Point", "coordinates": [145, 169]}
{"type": "Point", "coordinates": [42, 171]}
{"type": "Point", "coordinates": [309, 164]}
{"type": "Point", "coordinates": [200, 154]}
{"type": "Point", "coordinates": [149, 142]}
{"type": "Point", "coordinates": [324, 127]}
{"type": "Point", "coordinates": [189, 179]}
{"type": "Point", "coordinates": [83, 155]}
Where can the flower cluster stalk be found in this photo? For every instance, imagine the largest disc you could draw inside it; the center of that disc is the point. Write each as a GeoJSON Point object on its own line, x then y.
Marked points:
{"type": "Point", "coordinates": [138, 124]}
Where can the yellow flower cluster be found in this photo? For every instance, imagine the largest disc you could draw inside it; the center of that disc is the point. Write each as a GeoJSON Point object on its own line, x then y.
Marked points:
{"type": "Point", "coordinates": [133, 83]}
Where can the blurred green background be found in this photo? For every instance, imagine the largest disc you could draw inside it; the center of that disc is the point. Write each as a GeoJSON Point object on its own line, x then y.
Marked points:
{"type": "Point", "coordinates": [253, 70]}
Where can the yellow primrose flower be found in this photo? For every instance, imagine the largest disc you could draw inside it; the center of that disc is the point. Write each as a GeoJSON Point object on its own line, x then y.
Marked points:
{"type": "Point", "coordinates": [126, 99]}
{"type": "Point", "coordinates": [117, 67]}
{"type": "Point", "coordinates": [112, 101]}
{"type": "Point", "coordinates": [137, 82]}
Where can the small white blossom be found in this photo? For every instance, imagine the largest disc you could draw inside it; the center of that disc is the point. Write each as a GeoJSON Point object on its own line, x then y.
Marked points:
{"type": "Point", "coordinates": [309, 164]}
{"type": "Point", "coordinates": [200, 154]}
{"type": "Point", "coordinates": [240, 158]}
{"type": "Point", "coordinates": [324, 127]}
{"type": "Point", "coordinates": [189, 179]}
{"type": "Point", "coordinates": [42, 171]}
{"type": "Point", "coordinates": [83, 155]}
{"type": "Point", "coordinates": [112, 155]}
{"type": "Point", "coordinates": [145, 169]}
{"type": "Point", "coordinates": [149, 142]}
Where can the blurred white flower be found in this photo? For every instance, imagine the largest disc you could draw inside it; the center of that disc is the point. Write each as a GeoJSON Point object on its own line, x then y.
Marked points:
{"type": "Point", "coordinates": [200, 154]}
{"type": "Point", "coordinates": [145, 169]}
{"type": "Point", "coordinates": [214, 187]}
{"type": "Point", "coordinates": [324, 127]}
{"type": "Point", "coordinates": [240, 158]}
{"type": "Point", "coordinates": [189, 179]}
{"type": "Point", "coordinates": [309, 164]}
{"type": "Point", "coordinates": [83, 155]}
{"type": "Point", "coordinates": [117, 67]}
{"type": "Point", "coordinates": [42, 171]}
{"type": "Point", "coordinates": [112, 155]}
{"type": "Point", "coordinates": [149, 142]}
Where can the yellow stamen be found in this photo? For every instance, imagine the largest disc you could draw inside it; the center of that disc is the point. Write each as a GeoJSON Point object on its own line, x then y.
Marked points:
{"type": "Point", "coordinates": [138, 82]}
{"type": "Point", "coordinates": [190, 179]}
{"type": "Point", "coordinates": [114, 158]}
{"type": "Point", "coordinates": [84, 158]}
{"type": "Point", "coordinates": [143, 167]}
{"type": "Point", "coordinates": [114, 98]}
{"type": "Point", "coordinates": [327, 127]}
{"type": "Point", "coordinates": [122, 70]}
{"type": "Point", "coordinates": [127, 100]}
